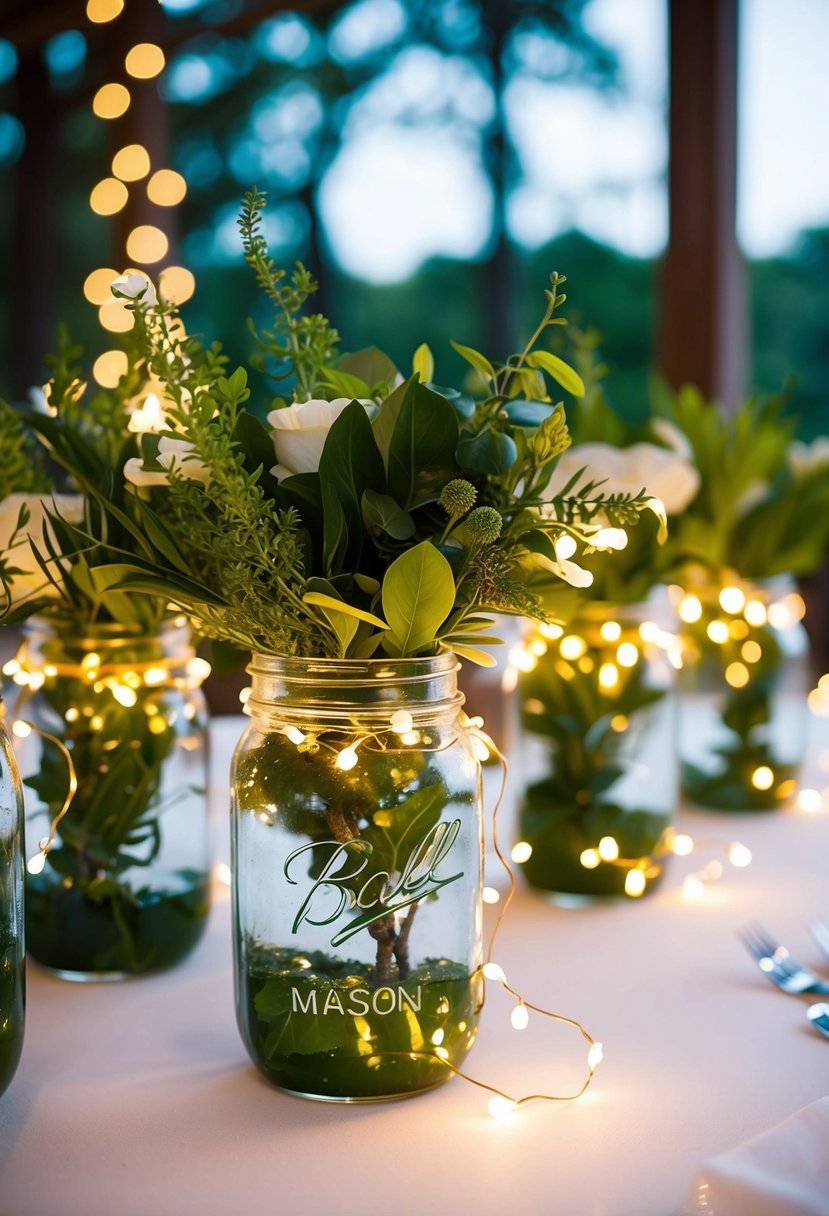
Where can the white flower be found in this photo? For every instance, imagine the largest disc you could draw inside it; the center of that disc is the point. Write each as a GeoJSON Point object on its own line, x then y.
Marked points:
{"type": "Point", "coordinates": [133, 287]}
{"type": "Point", "coordinates": [172, 454]}
{"type": "Point", "coordinates": [299, 432]}
{"type": "Point", "coordinates": [806, 458]}
{"type": "Point", "coordinates": [33, 582]}
{"type": "Point", "coordinates": [663, 474]}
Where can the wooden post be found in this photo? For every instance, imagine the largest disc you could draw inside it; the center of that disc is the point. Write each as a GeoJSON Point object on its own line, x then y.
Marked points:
{"type": "Point", "coordinates": [702, 330]}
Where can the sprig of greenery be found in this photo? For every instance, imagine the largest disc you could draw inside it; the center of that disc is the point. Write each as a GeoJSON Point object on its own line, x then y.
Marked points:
{"type": "Point", "coordinates": [21, 470]}
{"type": "Point", "coordinates": [302, 346]}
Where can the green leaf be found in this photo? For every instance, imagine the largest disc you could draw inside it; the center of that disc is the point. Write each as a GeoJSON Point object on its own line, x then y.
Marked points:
{"type": "Point", "coordinates": [350, 464]}
{"type": "Point", "coordinates": [329, 601]}
{"type": "Point", "coordinates": [423, 363]}
{"type": "Point", "coordinates": [560, 371]}
{"type": "Point", "coordinates": [370, 365]}
{"type": "Point", "coordinates": [476, 359]}
{"type": "Point", "coordinates": [422, 449]}
{"type": "Point", "coordinates": [527, 413]}
{"type": "Point", "coordinates": [344, 384]}
{"type": "Point", "coordinates": [481, 657]}
{"type": "Point", "coordinates": [386, 419]}
{"type": "Point", "coordinates": [382, 513]}
{"type": "Point", "coordinates": [418, 595]}
{"type": "Point", "coordinates": [490, 452]}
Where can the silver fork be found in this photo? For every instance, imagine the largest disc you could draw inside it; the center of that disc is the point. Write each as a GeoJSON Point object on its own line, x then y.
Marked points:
{"type": "Point", "coordinates": [776, 962]}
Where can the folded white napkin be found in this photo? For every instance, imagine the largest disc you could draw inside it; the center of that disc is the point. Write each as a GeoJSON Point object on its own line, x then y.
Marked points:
{"type": "Point", "coordinates": [783, 1172]}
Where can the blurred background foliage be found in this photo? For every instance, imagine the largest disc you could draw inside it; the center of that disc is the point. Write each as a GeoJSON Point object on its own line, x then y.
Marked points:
{"type": "Point", "coordinates": [431, 161]}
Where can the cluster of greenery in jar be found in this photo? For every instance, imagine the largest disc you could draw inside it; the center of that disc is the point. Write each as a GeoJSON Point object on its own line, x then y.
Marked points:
{"type": "Point", "coordinates": [426, 508]}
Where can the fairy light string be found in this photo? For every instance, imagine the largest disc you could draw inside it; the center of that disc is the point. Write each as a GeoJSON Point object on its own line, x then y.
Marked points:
{"type": "Point", "coordinates": [121, 679]}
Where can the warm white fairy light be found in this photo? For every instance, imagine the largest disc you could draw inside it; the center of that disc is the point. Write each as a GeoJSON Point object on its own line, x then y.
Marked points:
{"type": "Point", "coordinates": [124, 695]}
{"type": "Point", "coordinates": [717, 631]}
{"type": "Point", "coordinates": [522, 659]}
{"type": "Point", "coordinates": [36, 863]}
{"type": "Point", "coordinates": [550, 631]}
{"type": "Point", "coordinates": [755, 613]}
{"type": "Point", "coordinates": [294, 734]}
{"type": "Point", "coordinates": [21, 729]}
{"type": "Point", "coordinates": [809, 800]}
{"type": "Point", "coordinates": [520, 1018]}
{"type": "Point", "coordinates": [608, 676]}
{"type": "Point", "coordinates": [493, 971]}
{"type": "Point", "coordinates": [739, 855]}
{"type": "Point", "coordinates": [10, 668]}
{"type": "Point", "coordinates": [682, 844]}
{"type": "Point", "coordinates": [595, 1056]}
{"type": "Point", "coordinates": [501, 1108]}
{"type": "Point", "coordinates": [572, 646]}
{"type": "Point", "coordinates": [627, 655]}
{"type": "Point", "coordinates": [635, 882]}
{"type": "Point", "coordinates": [490, 895]}
{"type": "Point", "coordinates": [608, 848]}
{"type": "Point", "coordinates": [401, 722]}
{"type": "Point", "coordinates": [610, 631]}
{"type": "Point", "coordinates": [693, 888]}
{"type": "Point", "coordinates": [198, 669]}
{"type": "Point", "coordinates": [609, 538]}
{"type": "Point", "coordinates": [690, 609]}
{"type": "Point", "coordinates": [223, 873]}
{"type": "Point", "coordinates": [763, 777]}
{"type": "Point", "coordinates": [732, 600]}
{"type": "Point", "coordinates": [589, 858]}
{"type": "Point", "coordinates": [521, 852]}
{"type": "Point", "coordinates": [346, 759]}
{"type": "Point", "coordinates": [148, 417]}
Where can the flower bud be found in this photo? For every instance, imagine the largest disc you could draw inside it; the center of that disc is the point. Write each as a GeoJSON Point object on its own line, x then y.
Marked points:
{"type": "Point", "coordinates": [484, 525]}
{"type": "Point", "coordinates": [458, 497]}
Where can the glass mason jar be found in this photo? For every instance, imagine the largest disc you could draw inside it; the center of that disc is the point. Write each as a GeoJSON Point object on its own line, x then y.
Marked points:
{"type": "Point", "coordinates": [124, 885]}
{"type": "Point", "coordinates": [744, 713]}
{"type": "Point", "coordinates": [12, 973]}
{"type": "Point", "coordinates": [357, 855]}
{"type": "Point", "coordinates": [598, 712]}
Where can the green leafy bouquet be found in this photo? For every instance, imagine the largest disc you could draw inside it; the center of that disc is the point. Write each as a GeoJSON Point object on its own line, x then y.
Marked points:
{"type": "Point", "coordinates": [107, 738]}
{"type": "Point", "coordinates": [760, 518]}
{"type": "Point", "coordinates": [398, 514]}
{"type": "Point", "coordinates": [596, 694]}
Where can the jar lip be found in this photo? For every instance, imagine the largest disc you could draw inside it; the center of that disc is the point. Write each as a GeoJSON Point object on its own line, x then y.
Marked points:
{"type": "Point", "coordinates": [300, 667]}
{"type": "Point", "coordinates": [105, 633]}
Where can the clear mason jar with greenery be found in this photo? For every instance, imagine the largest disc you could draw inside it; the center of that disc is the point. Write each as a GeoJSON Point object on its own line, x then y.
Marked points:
{"type": "Point", "coordinates": [598, 712]}
{"type": "Point", "coordinates": [357, 857]}
{"type": "Point", "coordinates": [744, 684]}
{"type": "Point", "coordinates": [12, 973]}
{"type": "Point", "coordinates": [114, 754]}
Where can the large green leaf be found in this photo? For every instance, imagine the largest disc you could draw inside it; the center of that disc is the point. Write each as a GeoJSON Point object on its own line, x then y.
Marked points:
{"type": "Point", "coordinates": [418, 595]}
{"type": "Point", "coordinates": [422, 448]}
{"type": "Point", "coordinates": [350, 464]}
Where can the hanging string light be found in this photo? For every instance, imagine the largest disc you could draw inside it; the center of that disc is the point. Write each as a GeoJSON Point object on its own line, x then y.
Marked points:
{"type": "Point", "coordinates": [146, 244]}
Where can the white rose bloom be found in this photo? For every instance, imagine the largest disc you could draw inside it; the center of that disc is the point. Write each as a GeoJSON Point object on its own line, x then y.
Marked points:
{"type": "Point", "coordinates": [172, 453]}
{"type": "Point", "coordinates": [806, 458]}
{"type": "Point", "coordinates": [299, 432]}
{"type": "Point", "coordinates": [663, 474]}
{"type": "Point", "coordinates": [33, 581]}
{"type": "Point", "coordinates": [131, 286]}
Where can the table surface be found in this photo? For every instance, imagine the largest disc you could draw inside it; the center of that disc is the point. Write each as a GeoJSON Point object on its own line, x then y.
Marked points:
{"type": "Point", "coordinates": [138, 1099]}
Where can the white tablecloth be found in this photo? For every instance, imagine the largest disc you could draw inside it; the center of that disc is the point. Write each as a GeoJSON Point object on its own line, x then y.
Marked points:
{"type": "Point", "coordinates": [138, 1099]}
